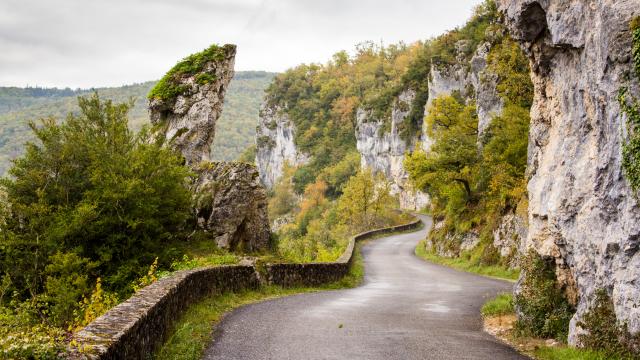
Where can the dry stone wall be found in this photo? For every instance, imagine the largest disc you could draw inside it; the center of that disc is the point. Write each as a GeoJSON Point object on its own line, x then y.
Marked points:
{"type": "Point", "coordinates": [134, 329]}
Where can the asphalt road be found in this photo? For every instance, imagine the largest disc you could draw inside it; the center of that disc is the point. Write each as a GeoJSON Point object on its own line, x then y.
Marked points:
{"type": "Point", "coordinates": [406, 309]}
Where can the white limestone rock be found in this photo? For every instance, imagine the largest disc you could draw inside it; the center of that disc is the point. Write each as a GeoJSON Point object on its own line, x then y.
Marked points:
{"type": "Point", "coordinates": [581, 209]}
{"type": "Point", "coordinates": [275, 144]}
{"type": "Point", "coordinates": [384, 152]}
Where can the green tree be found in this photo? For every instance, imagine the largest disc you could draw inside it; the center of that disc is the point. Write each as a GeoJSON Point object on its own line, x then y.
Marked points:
{"type": "Point", "coordinates": [366, 201]}
{"type": "Point", "coordinates": [283, 199]}
{"type": "Point", "coordinates": [453, 158]}
{"type": "Point", "coordinates": [92, 186]}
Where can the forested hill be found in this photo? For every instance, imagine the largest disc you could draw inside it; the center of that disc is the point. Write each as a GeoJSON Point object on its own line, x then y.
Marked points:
{"type": "Point", "coordinates": [235, 130]}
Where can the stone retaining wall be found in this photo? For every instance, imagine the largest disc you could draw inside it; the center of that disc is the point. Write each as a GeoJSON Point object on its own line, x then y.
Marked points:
{"type": "Point", "coordinates": [313, 274]}
{"type": "Point", "coordinates": [134, 329]}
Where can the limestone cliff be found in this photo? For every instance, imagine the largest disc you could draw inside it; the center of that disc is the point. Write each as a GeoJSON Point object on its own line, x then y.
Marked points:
{"type": "Point", "coordinates": [187, 102]}
{"type": "Point", "coordinates": [228, 201]}
{"type": "Point", "coordinates": [275, 144]}
{"type": "Point", "coordinates": [384, 152]}
{"type": "Point", "coordinates": [582, 211]}
{"type": "Point", "coordinates": [471, 80]}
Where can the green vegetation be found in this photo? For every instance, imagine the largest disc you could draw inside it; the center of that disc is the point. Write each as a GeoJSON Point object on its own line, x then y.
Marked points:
{"type": "Point", "coordinates": [544, 310]}
{"type": "Point", "coordinates": [500, 305]}
{"type": "Point", "coordinates": [568, 353]}
{"type": "Point", "coordinates": [466, 262]}
{"type": "Point", "coordinates": [631, 108]}
{"type": "Point", "coordinates": [193, 332]}
{"type": "Point", "coordinates": [235, 129]}
{"type": "Point", "coordinates": [605, 333]}
{"type": "Point", "coordinates": [321, 228]}
{"type": "Point", "coordinates": [471, 190]}
{"type": "Point", "coordinates": [602, 322]}
{"type": "Point", "coordinates": [169, 87]}
{"type": "Point", "coordinates": [86, 210]}
{"type": "Point", "coordinates": [322, 101]}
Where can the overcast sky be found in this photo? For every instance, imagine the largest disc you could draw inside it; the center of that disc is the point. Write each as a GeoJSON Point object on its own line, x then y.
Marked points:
{"type": "Point", "coordinates": [94, 43]}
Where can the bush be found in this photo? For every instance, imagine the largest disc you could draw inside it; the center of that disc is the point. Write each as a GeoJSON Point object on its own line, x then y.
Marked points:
{"type": "Point", "coordinates": [22, 336]}
{"type": "Point", "coordinates": [93, 307]}
{"type": "Point", "coordinates": [605, 333]}
{"type": "Point", "coordinates": [66, 284]}
{"type": "Point", "coordinates": [543, 310]}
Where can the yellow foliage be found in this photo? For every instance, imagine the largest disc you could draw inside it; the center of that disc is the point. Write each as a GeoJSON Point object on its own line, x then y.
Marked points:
{"type": "Point", "coordinates": [90, 309]}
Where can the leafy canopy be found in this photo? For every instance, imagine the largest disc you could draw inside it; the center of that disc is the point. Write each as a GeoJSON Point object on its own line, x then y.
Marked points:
{"type": "Point", "coordinates": [91, 187]}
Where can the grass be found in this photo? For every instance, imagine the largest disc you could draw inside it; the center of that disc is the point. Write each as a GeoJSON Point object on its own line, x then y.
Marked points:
{"type": "Point", "coordinates": [465, 264]}
{"type": "Point", "coordinates": [500, 305]}
{"type": "Point", "coordinates": [194, 330]}
{"type": "Point", "coordinates": [499, 318]}
{"type": "Point", "coordinates": [568, 353]}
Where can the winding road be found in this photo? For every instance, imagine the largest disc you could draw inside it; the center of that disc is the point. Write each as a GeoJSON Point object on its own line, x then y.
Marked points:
{"type": "Point", "coordinates": [406, 309]}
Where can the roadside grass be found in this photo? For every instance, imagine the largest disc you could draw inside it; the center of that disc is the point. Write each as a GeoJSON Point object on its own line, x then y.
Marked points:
{"type": "Point", "coordinates": [194, 330]}
{"type": "Point", "coordinates": [568, 353]}
{"type": "Point", "coordinates": [500, 305]}
{"type": "Point", "coordinates": [466, 264]}
{"type": "Point", "coordinates": [499, 319]}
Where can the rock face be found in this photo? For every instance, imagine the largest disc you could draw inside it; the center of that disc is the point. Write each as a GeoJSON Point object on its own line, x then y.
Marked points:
{"type": "Point", "coordinates": [470, 80]}
{"type": "Point", "coordinates": [231, 204]}
{"type": "Point", "coordinates": [275, 144]}
{"type": "Point", "coordinates": [581, 209]}
{"type": "Point", "coordinates": [510, 236]}
{"type": "Point", "coordinates": [384, 152]}
{"type": "Point", "coordinates": [188, 120]}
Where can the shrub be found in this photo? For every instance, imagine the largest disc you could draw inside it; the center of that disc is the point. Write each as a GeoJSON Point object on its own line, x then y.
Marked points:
{"type": "Point", "coordinates": [605, 333]}
{"type": "Point", "coordinates": [92, 187]}
{"type": "Point", "coordinates": [93, 307]}
{"type": "Point", "coordinates": [543, 310]}
{"type": "Point", "coordinates": [67, 282]}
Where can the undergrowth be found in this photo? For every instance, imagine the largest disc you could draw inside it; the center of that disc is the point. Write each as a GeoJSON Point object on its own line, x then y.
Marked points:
{"type": "Point", "coordinates": [466, 262]}
{"type": "Point", "coordinates": [543, 308]}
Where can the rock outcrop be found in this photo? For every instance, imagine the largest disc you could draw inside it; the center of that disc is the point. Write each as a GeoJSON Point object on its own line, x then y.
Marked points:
{"type": "Point", "coordinates": [582, 211]}
{"type": "Point", "coordinates": [275, 144]}
{"type": "Point", "coordinates": [186, 110]}
{"type": "Point", "coordinates": [510, 236]}
{"type": "Point", "coordinates": [229, 201]}
{"type": "Point", "coordinates": [471, 80]}
{"type": "Point", "coordinates": [383, 152]}
{"type": "Point", "coordinates": [231, 204]}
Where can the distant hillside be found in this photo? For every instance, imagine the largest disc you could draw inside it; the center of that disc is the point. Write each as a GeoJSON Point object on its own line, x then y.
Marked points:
{"type": "Point", "coordinates": [235, 130]}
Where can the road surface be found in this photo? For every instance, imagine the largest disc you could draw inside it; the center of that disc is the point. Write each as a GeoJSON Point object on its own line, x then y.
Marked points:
{"type": "Point", "coordinates": [406, 309]}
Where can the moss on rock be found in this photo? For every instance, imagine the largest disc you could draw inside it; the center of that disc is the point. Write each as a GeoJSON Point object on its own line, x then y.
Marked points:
{"type": "Point", "coordinates": [169, 87]}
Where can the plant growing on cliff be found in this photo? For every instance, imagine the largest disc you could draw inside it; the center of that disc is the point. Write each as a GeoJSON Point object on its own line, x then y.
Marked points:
{"type": "Point", "coordinates": [604, 332]}
{"type": "Point", "coordinates": [543, 310]}
{"type": "Point", "coordinates": [169, 87]}
{"type": "Point", "coordinates": [631, 108]}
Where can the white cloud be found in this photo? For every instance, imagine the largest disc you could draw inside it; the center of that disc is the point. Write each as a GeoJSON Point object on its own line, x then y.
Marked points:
{"type": "Point", "coordinates": [81, 43]}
